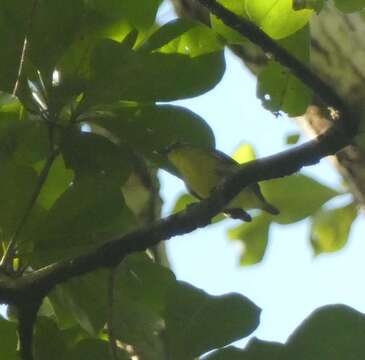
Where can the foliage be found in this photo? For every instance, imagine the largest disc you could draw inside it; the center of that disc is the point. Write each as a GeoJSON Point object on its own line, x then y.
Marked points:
{"type": "Point", "coordinates": [84, 121]}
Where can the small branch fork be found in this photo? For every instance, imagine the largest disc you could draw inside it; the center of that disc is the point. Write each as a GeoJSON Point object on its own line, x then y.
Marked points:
{"type": "Point", "coordinates": [36, 285]}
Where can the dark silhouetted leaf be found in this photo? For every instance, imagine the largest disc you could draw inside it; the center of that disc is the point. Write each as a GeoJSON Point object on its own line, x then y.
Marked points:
{"type": "Point", "coordinates": [89, 154]}
{"type": "Point", "coordinates": [17, 183]}
{"type": "Point", "coordinates": [88, 213]}
{"type": "Point", "coordinates": [349, 6]}
{"type": "Point", "coordinates": [152, 128]}
{"type": "Point", "coordinates": [333, 332]}
{"type": "Point", "coordinates": [48, 341]}
{"type": "Point", "coordinates": [94, 349]}
{"type": "Point", "coordinates": [278, 89]}
{"type": "Point", "coordinates": [197, 322]}
{"type": "Point", "coordinates": [256, 349]}
{"type": "Point", "coordinates": [167, 33]}
{"type": "Point", "coordinates": [119, 73]}
{"type": "Point", "coordinates": [8, 339]}
{"type": "Point", "coordinates": [140, 304]}
{"type": "Point", "coordinates": [54, 27]}
{"type": "Point", "coordinates": [85, 299]}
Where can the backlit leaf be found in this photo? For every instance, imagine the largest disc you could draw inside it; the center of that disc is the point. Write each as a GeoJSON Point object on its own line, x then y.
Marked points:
{"type": "Point", "coordinates": [296, 205]}
{"type": "Point", "coordinates": [277, 17]}
{"type": "Point", "coordinates": [331, 228]}
{"type": "Point", "coordinates": [254, 236]}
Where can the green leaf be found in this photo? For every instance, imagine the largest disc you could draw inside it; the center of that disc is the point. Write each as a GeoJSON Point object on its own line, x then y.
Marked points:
{"type": "Point", "coordinates": [277, 17]}
{"type": "Point", "coordinates": [138, 13]}
{"type": "Point", "coordinates": [183, 201]}
{"type": "Point", "coordinates": [94, 349]}
{"type": "Point", "coordinates": [148, 129]}
{"type": "Point", "coordinates": [166, 34]}
{"type": "Point", "coordinates": [101, 19]}
{"type": "Point", "coordinates": [23, 139]}
{"type": "Point", "coordinates": [90, 212]}
{"type": "Point", "coordinates": [8, 339]}
{"type": "Point", "coordinates": [197, 322]}
{"type": "Point", "coordinates": [32, 142]}
{"type": "Point", "coordinates": [119, 73]}
{"type": "Point", "coordinates": [85, 299]}
{"type": "Point", "coordinates": [140, 304]}
{"type": "Point", "coordinates": [48, 341]}
{"type": "Point", "coordinates": [292, 139]}
{"type": "Point", "coordinates": [89, 154]}
{"type": "Point", "coordinates": [14, 17]}
{"type": "Point", "coordinates": [54, 27]}
{"type": "Point", "coordinates": [316, 5]}
{"type": "Point", "coordinates": [232, 36]}
{"type": "Point", "coordinates": [137, 325]}
{"type": "Point", "coordinates": [144, 281]}
{"type": "Point", "coordinates": [333, 332]}
{"type": "Point", "coordinates": [197, 41]}
{"type": "Point", "coordinates": [58, 180]}
{"type": "Point", "coordinates": [254, 236]}
{"type": "Point", "coordinates": [17, 183]}
{"type": "Point", "coordinates": [278, 89]}
{"type": "Point", "coordinates": [244, 153]}
{"type": "Point", "coordinates": [256, 349]}
{"type": "Point", "coordinates": [348, 6]}
{"type": "Point", "coordinates": [296, 205]}
{"type": "Point", "coordinates": [331, 228]}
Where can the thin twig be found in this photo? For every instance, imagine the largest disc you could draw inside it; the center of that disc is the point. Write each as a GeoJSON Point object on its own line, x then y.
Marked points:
{"type": "Point", "coordinates": [25, 47]}
{"type": "Point", "coordinates": [110, 319]}
{"type": "Point", "coordinates": [6, 261]}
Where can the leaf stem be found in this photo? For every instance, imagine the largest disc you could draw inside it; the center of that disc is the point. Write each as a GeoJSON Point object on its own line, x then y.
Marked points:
{"type": "Point", "coordinates": [6, 261]}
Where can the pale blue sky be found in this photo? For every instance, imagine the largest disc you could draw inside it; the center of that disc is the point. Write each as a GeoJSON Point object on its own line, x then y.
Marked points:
{"type": "Point", "coordinates": [290, 282]}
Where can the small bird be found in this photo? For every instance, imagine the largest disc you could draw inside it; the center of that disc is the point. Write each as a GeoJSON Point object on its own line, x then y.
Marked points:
{"type": "Point", "coordinates": [202, 169]}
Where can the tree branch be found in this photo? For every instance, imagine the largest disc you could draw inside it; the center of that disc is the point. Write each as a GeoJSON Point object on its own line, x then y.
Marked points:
{"type": "Point", "coordinates": [194, 217]}
{"type": "Point", "coordinates": [110, 254]}
{"type": "Point", "coordinates": [249, 30]}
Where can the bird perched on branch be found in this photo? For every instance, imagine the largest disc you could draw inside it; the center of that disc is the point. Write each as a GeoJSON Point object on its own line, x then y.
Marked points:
{"type": "Point", "coordinates": [202, 169]}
